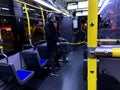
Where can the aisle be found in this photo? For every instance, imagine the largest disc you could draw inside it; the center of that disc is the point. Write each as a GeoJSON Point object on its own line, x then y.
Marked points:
{"type": "Point", "coordinates": [71, 74]}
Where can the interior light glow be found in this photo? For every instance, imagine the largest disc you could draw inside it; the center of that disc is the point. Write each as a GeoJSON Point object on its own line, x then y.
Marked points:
{"type": "Point", "coordinates": [83, 4]}
{"type": "Point", "coordinates": [101, 3]}
{"type": "Point", "coordinates": [3, 8]}
{"type": "Point", "coordinates": [72, 6]}
{"type": "Point", "coordinates": [83, 13]}
{"type": "Point", "coordinates": [105, 3]}
{"type": "Point", "coordinates": [48, 5]}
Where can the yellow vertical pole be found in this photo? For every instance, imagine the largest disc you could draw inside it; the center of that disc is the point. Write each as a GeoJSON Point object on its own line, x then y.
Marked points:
{"type": "Point", "coordinates": [1, 47]}
{"type": "Point", "coordinates": [28, 21]}
{"type": "Point", "coordinates": [92, 43]}
{"type": "Point", "coordinates": [43, 18]}
{"type": "Point", "coordinates": [0, 35]}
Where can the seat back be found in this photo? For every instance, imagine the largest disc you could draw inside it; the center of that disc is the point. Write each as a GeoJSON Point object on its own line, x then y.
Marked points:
{"type": "Point", "coordinates": [31, 59]}
{"type": "Point", "coordinates": [107, 82]}
{"type": "Point", "coordinates": [7, 73]}
{"type": "Point", "coordinates": [43, 51]}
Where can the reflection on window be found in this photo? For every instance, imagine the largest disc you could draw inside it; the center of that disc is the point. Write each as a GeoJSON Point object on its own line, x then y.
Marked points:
{"type": "Point", "coordinates": [36, 25]}
{"type": "Point", "coordinates": [109, 23]}
{"type": "Point", "coordinates": [37, 31]}
{"type": "Point", "coordinates": [6, 30]}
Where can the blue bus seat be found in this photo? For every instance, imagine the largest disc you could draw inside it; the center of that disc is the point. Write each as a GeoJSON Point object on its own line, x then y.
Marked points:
{"type": "Point", "coordinates": [32, 59]}
{"type": "Point", "coordinates": [9, 74]}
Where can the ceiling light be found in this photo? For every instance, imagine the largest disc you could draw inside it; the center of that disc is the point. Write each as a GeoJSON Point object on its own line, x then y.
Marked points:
{"type": "Point", "coordinates": [51, 7]}
{"type": "Point", "coordinates": [83, 4]}
{"type": "Point", "coordinates": [71, 6]}
{"type": "Point", "coordinates": [83, 13]}
{"type": "Point", "coordinates": [48, 5]}
{"type": "Point", "coordinates": [101, 3]}
{"type": "Point", "coordinates": [103, 6]}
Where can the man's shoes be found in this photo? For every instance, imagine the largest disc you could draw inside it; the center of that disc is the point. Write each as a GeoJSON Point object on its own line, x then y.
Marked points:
{"type": "Point", "coordinates": [57, 68]}
{"type": "Point", "coordinates": [55, 74]}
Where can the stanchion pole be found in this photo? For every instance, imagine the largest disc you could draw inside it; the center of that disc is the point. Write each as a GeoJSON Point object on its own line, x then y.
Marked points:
{"type": "Point", "coordinates": [92, 43]}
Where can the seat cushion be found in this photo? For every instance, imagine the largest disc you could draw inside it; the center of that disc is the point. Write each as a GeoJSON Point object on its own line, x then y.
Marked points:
{"type": "Point", "coordinates": [24, 74]}
{"type": "Point", "coordinates": [43, 62]}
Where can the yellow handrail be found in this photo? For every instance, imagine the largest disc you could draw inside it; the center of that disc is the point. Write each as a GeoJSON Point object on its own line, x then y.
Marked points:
{"type": "Point", "coordinates": [78, 43]}
{"type": "Point", "coordinates": [43, 18]}
{"type": "Point", "coordinates": [108, 40]}
{"type": "Point", "coordinates": [1, 47]}
{"type": "Point", "coordinates": [28, 21]}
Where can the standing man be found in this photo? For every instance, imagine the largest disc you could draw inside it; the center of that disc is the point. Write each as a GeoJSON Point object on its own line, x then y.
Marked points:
{"type": "Point", "coordinates": [52, 40]}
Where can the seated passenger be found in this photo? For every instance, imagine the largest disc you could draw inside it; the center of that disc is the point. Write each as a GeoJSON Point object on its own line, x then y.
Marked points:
{"type": "Point", "coordinates": [37, 31]}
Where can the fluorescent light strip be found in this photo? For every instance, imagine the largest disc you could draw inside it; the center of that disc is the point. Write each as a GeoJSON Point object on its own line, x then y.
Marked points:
{"type": "Point", "coordinates": [103, 6]}
{"type": "Point", "coordinates": [84, 13]}
{"type": "Point", "coordinates": [47, 5]}
{"type": "Point", "coordinates": [101, 3]}
{"type": "Point", "coordinates": [69, 7]}
{"type": "Point", "coordinates": [83, 4]}
{"type": "Point", "coordinates": [68, 15]}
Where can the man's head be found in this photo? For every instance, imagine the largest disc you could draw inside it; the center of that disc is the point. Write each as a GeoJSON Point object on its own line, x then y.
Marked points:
{"type": "Point", "coordinates": [51, 17]}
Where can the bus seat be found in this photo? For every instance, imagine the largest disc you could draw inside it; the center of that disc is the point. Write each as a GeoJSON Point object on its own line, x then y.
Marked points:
{"type": "Point", "coordinates": [42, 50]}
{"type": "Point", "coordinates": [32, 59]}
{"type": "Point", "coordinates": [9, 74]}
{"type": "Point", "coordinates": [107, 82]}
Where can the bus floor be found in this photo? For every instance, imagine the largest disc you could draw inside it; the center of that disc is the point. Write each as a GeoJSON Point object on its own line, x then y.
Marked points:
{"type": "Point", "coordinates": [71, 76]}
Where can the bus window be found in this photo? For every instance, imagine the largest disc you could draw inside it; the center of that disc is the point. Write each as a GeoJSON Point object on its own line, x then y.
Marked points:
{"type": "Point", "coordinates": [7, 36]}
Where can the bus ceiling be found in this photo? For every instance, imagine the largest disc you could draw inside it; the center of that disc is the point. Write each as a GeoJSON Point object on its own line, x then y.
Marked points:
{"type": "Point", "coordinates": [68, 7]}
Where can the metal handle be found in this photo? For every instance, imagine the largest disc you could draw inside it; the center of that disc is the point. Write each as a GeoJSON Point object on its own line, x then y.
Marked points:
{"type": "Point", "coordinates": [5, 57]}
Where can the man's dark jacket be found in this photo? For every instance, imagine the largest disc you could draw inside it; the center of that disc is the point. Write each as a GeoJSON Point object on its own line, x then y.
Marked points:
{"type": "Point", "coordinates": [51, 36]}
